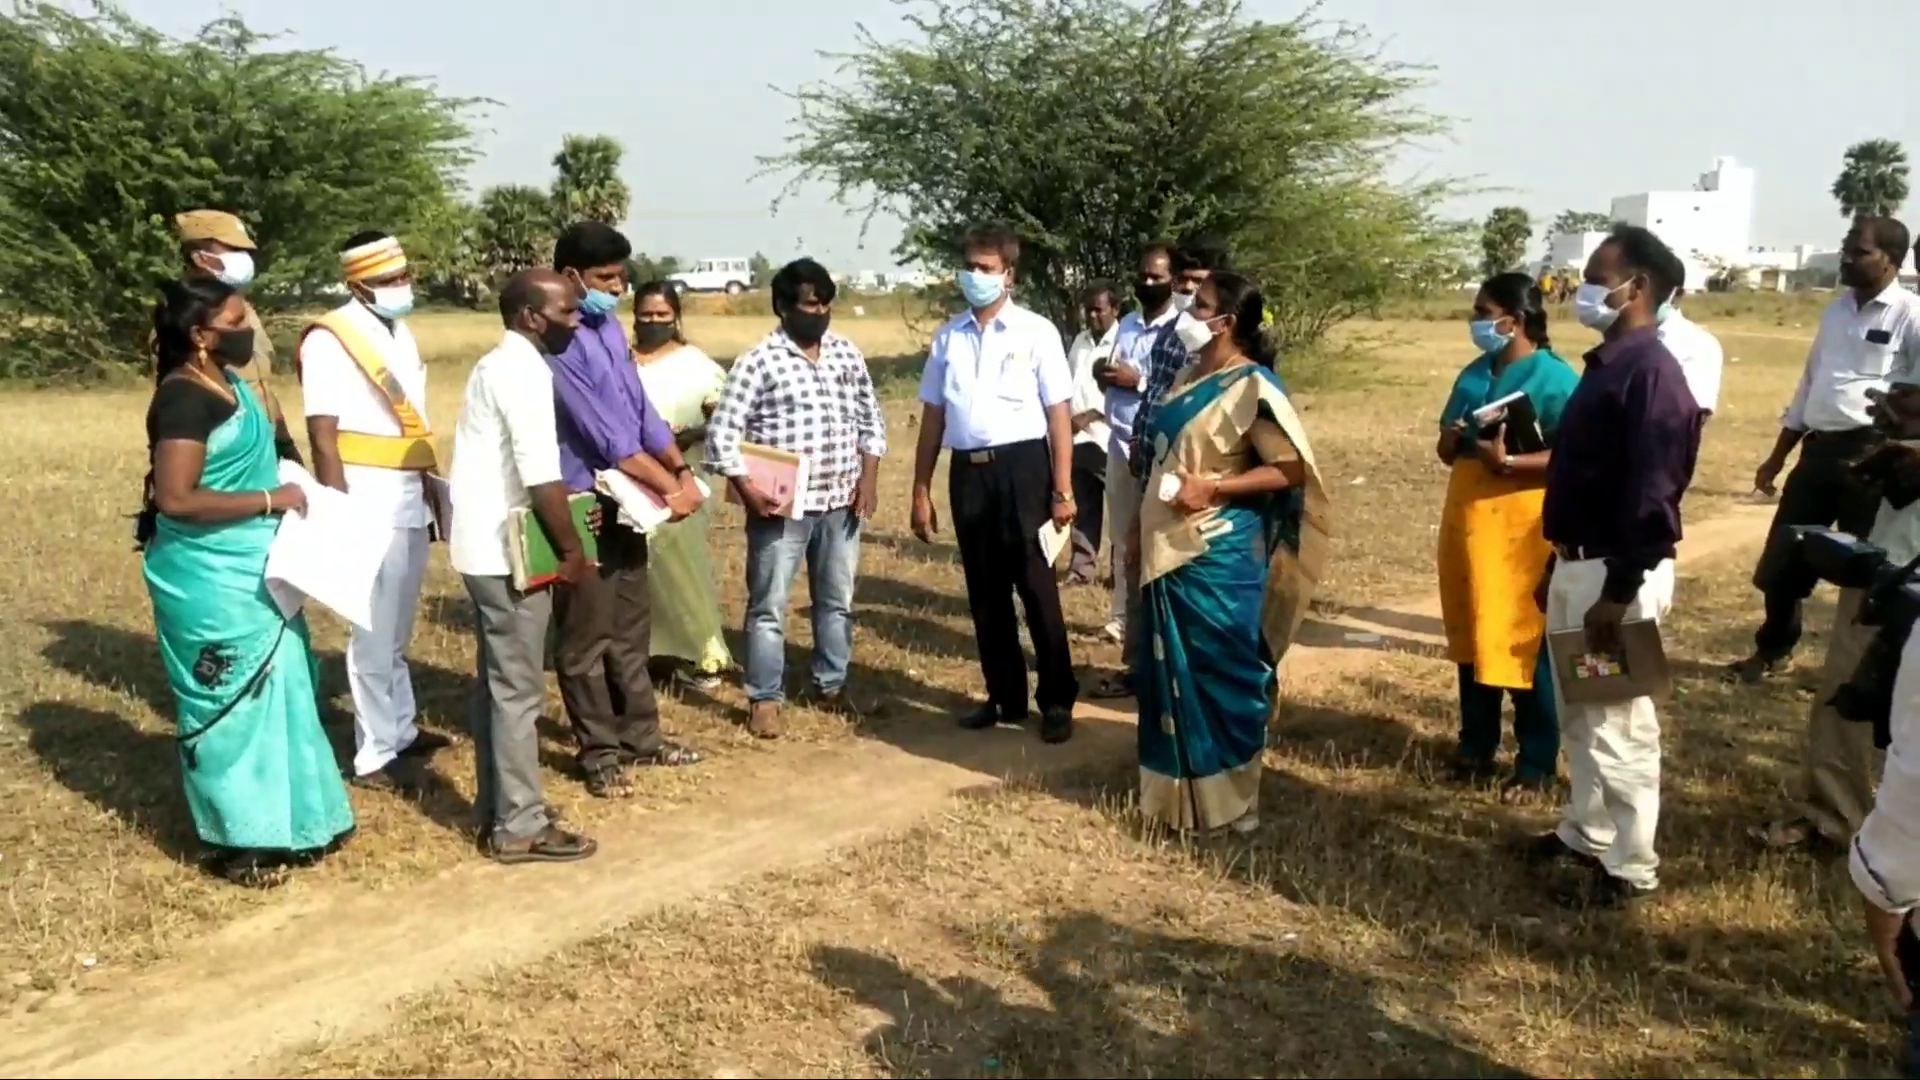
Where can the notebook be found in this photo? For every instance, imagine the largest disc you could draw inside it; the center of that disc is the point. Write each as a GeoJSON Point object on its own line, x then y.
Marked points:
{"type": "Point", "coordinates": [1515, 411]}
{"type": "Point", "coordinates": [783, 475]}
{"type": "Point", "coordinates": [530, 553]}
{"type": "Point", "coordinates": [1637, 669]}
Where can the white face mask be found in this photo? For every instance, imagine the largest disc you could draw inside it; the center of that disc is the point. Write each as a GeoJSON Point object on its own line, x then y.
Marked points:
{"type": "Point", "coordinates": [1193, 333]}
{"type": "Point", "coordinates": [236, 269]}
{"type": "Point", "coordinates": [1590, 306]}
{"type": "Point", "coordinates": [1182, 301]}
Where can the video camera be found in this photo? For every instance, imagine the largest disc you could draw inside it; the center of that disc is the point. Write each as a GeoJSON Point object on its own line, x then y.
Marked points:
{"type": "Point", "coordinates": [1891, 605]}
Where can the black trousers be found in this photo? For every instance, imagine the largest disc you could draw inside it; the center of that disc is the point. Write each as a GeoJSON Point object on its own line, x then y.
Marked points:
{"type": "Point", "coordinates": [606, 632]}
{"type": "Point", "coordinates": [1090, 499]}
{"type": "Point", "coordinates": [1000, 498]}
{"type": "Point", "coordinates": [1821, 490]}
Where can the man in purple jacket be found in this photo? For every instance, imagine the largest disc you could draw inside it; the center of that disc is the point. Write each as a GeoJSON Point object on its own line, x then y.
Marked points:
{"type": "Point", "coordinates": [605, 422]}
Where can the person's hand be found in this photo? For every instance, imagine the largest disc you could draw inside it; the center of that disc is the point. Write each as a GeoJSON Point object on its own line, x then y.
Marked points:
{"type": "Point", "coordinates": [1196, 493]}
{"type": "Point", "coordinates": [573, 567]}
{"type": "Point", "coordinates": [1124, 377]}
{"type": "Point", "coordinates": [1493, 452]}
{"type": "Point", "coordinates": [707, 407]}
{"type": "Point", "coordinates": [1603, 625]}
{"type": "Point", "coordinates": [288, 498]}
{"type": "Point", "coordinates": [595, 519]}
{"type": "Point", "coordinates": [1103, 373]}
{"type": "Point", "coordinates": [866, 495]}
{"type": "Point", "coordinates": [1766, 474]}
{"type": "Point", "coordinates": [926, 521]}
{"type": "Point", "coordinates": [686, 499]}
{"type": "Point", "coordinates": [1064, 511]}
{"type": "Point", "coordinates": [757, 502]}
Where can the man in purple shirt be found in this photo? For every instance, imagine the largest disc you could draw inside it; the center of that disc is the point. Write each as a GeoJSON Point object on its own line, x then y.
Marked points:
{"type": "Point", "coordinates": [605, 621]}
{"type": "Point", "coordinates": [1622, 460]}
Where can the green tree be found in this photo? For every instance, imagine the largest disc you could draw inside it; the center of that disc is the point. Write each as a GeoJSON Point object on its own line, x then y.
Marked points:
{"type": "Point", "coordinates": [1873, 180]}
{"type": "Point", "coordinates": [1093, 126]}
{"type": "Point", "coordinates": [513, 230]}
{"type": "Point", "coordinates": [1579, 221]}
{"type": "Point", "coordinates": [109, 128]}
{"type": "Point", "coordinates": [587, 184]}
{"type": "Point", "coordinates": [761, 268]}
{"type": "Point", "coordinates": [1503, 239]}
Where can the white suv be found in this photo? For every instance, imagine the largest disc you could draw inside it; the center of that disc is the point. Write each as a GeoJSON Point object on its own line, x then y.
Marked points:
{"type": "Point", "coordinates": [730, 276]}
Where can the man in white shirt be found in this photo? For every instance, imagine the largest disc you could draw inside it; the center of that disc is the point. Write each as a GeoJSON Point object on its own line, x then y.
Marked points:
{"type": "Point", "coordinates": [1125, 380]}
{"type": "Point", "coordinates": [506, 455]}
{"type": "Point", "coordinates": [1869, 325]}
{"type": "Point", "coordinates": [1099, 316]}
{"type": "Point", "coordinates": [366, 400]}
{"type": "Point", "coordinates": [998, 393]}
{"type": "Point", "coordinates": [1699, 352]}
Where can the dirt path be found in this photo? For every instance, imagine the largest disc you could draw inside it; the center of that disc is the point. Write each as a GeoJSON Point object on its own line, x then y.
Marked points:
{"type": "Point", "coordinates": [333, 964]}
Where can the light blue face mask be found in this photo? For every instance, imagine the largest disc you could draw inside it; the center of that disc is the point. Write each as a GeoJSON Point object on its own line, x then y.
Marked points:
{"type": "Point", "coordinates": [1485, 337]}
{"type": "Point", "coordinates": [598, 304]}
{"type": "Point", "coordinates": [982, 290]}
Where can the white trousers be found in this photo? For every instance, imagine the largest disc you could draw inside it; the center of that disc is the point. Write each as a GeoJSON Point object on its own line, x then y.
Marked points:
{"type": "Point", "coordinates": [1613, 751]}
{"type": "Point", "coordinates": [1123, 528]}
{"type": "Point", "coordinates": [383, 708]}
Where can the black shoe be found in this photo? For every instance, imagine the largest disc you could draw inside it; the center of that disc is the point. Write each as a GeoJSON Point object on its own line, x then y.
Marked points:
{"type": "Point", "coordinates": [1601, 891]}
{"type": "Point", "coordinates": [989, 716]}
{"type": "Point", "coordinates": [550, 845]}
{"type": "Point", "coordinates": [1472, 770]}
{"type": "Point", "coordinates": [426, 744]}
{"type": "Point", "coordinates": [1549, 848]}
{"type": "Point", "coordinates": [1757, 668]}
{"type": "Point", "coordinates": [399, 777]}
{"type": "Point", "coordinates": [1056, 725]}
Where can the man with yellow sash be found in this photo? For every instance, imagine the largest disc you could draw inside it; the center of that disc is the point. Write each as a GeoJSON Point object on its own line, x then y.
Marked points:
{"type": "Point", "coordinates": [366, 395]}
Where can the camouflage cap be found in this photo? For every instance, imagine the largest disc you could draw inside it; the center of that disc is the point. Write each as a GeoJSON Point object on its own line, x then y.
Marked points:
{"type": "Point", "coordinates": [216, 225]}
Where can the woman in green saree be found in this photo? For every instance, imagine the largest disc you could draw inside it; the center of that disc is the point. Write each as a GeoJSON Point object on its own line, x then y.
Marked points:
{"type": "Point", "coordinates": [683, 383]}
{"type": "Point", "coordinates": [261, 779]}
{"type": "Point", "coordinates": [1233, 539]}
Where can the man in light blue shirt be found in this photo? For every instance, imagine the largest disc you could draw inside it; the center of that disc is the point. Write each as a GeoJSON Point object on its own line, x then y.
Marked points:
{"type": "Point", "coordinates": [1124, 380]}
{"type": "Point", "coordinates": [997, 391]}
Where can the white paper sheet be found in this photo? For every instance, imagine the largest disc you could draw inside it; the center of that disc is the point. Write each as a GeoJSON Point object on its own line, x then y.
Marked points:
{"type": "Point", "coordinates": [1053, 540]}
{"type": "Point", "coordinates": [331, 554]}
{"type": "Point", "coordinates": [640, 509]}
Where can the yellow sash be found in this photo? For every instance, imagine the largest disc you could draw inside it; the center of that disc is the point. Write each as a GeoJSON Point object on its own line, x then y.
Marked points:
{"type": "Point", "coordinates": [413, 447]}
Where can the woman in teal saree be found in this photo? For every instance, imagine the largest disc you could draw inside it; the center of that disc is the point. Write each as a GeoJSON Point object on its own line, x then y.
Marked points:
{"type": "Point", "coordinates": [1233, 534]}
{"type": "Point", "coordinates": [261, 779]}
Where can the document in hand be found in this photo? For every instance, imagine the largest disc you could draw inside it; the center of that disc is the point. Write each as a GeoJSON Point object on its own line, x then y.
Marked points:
{"type": "Point", "coordinates": [641, 509]}
{"type": "Point", "coordinates": [1515, 413]}
{"type": "Point", "coordinates": [781, 474]}
{"type": "Point", "coordinates": [530, 553]}
{"type": "Point", "coordinates": [1637, 669]}
{"type": "Point", "coordinates": [1053, 540]}
{"type": "Point", "coordinates": [332, 553]}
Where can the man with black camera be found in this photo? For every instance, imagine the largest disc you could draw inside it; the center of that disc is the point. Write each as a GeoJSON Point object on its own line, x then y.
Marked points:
{"type": "Point", "coordinates": [1870, 323]}
{"type": "Point", "coordinates": [1628, 440]}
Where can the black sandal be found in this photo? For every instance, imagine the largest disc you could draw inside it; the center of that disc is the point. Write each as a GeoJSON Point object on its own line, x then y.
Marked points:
{"type": "Point", "coordinates": [608, 782]}
{"type": "Point", "coordinates": [668, 756]}
{"type": "Point", "coordinates": [1111, 687]}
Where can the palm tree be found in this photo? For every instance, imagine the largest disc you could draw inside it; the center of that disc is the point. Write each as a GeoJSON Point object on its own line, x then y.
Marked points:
{"type": "Point", "coordinates": [588, 185]}
{"type": "Point", "coordinates": [1873, 182]}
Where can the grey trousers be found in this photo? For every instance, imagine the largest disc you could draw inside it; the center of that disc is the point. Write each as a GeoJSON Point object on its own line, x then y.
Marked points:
{"type": "Point", "coordinates": [509, 693]}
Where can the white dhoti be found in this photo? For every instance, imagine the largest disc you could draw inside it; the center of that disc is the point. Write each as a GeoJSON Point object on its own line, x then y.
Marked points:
{"type": "Point", "coordinates": [382, 687]}
{"type": "Point", "coordinates": [1613, 751]}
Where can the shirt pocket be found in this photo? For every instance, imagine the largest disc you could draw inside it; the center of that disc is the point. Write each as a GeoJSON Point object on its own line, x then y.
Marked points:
{"type": "Point", "coordinates": [1017, 381]}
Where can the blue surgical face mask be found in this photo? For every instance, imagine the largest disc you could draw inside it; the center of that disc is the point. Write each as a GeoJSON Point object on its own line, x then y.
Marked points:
{"type": "Point", "coordinates": [598, 304]}
{"type": "Point", "coordinates": [392, 301]}
{"type": "Point", "coordinates": [1668, 309]}
{"type": "Point", "coordinates": [982, 290]}
{"type": "Point", "coordinates": [1487, 336]}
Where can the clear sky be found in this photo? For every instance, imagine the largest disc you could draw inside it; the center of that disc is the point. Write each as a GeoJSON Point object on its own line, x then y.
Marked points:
{"type": "Point", "coordinates": [1560, 105]}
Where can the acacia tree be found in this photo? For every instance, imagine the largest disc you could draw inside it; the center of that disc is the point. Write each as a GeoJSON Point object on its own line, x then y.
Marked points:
{"type": "Point", "coordinates": [109, 128]}
{"type": "Point", "coordinates": [1873, 179]}
{"type": "Point", "coordinates": [1503, 239]}
{"type": "Point", "coordinates": [1093, 126]}
{"type": "Point", "coordinates": [1580, 221]}
{"type": "Point", "coordinates": [587, 184]}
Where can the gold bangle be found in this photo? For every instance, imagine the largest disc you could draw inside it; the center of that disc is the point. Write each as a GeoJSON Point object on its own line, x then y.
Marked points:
{"type": "Point", "coordinates": [267, 497]}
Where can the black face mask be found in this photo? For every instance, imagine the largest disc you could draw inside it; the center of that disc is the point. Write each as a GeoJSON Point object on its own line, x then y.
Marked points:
{"type": "Point", "coordinates": [233, 348]}
{"type": "Point", "coordinates": [806, 328]}
{"type": "Point", "coordinates": [554, 337]}
{"type": "Point", "coordinates": [1152, 294]}
{"type": "Point", "coordinates": [652, 335]}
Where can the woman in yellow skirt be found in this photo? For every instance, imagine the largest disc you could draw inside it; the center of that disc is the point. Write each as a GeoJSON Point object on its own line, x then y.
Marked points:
{"type": "Point", "coordinates": [1492, 553]}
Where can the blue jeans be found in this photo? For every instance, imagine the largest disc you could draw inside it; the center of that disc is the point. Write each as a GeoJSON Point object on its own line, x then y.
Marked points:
{"type": "Point", "coordinates": [830, 545]}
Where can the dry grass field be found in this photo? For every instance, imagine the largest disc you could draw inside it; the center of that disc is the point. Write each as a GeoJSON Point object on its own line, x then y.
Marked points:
{"type": "Point", "coordinates": [1372, 928]}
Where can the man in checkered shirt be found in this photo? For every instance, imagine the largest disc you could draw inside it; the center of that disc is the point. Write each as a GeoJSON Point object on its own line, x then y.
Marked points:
{"type": "Point", "coordinates": [804, 390]}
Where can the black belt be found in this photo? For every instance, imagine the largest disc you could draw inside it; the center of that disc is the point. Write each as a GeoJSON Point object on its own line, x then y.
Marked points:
{"type": "Point", "coordinates": [1850, 435]}
{"type": "Point", "coordinates": [986, 455]}
{"type": "Point", "coordinates": [1586, 552]}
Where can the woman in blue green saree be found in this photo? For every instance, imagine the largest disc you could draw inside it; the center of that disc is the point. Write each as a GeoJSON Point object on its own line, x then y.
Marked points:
{"type": "Point", "coordinates": [261, 780]}
{"type": "Point", "coordinates": [1233, 538]}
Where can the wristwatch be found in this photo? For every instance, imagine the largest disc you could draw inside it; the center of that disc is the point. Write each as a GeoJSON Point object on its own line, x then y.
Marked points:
{"type": "Point", "coordinates": [1062, 497]}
